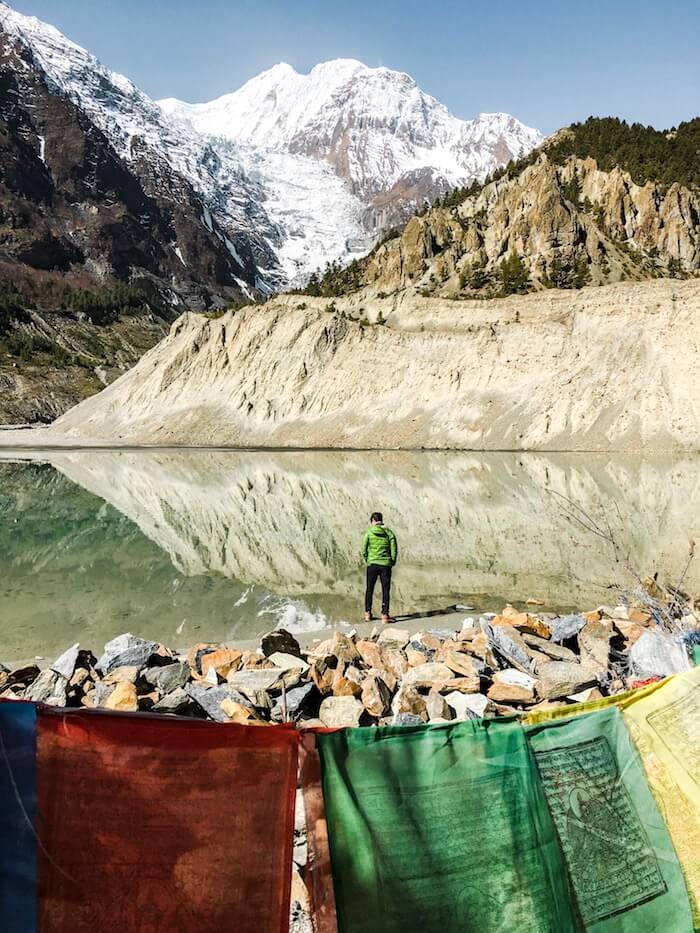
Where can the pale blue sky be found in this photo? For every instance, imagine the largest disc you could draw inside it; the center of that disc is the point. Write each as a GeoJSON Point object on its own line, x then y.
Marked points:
{"type": "Point", "coordinates": [547, 62]}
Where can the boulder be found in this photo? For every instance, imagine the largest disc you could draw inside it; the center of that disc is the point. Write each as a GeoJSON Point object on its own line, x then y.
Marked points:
{"type": "Point", "coordinates": [123, 698]}
{"type": "Point", "coordinates": [481, 648]}
{"type": "Point", "coordinates": [322, 676]}
{"type": "Point", "coordinates": [119, 675]}
{"type": "Point", "coordinates": [343, 647]}
{"type": "Point", "coordinates": [523, 622]}
{"type": "Point", "coordinates": [370, 652]}
{"type": "Point", "coordinates": [375, 695]}
{"type": "Point", "coordinates": [437, 707]}
{"type": "Point", "coordinates": [210, 699]}
{"type": "Point", "coordinates": [22, 676]}
{"type": "Point", "coordinates": [280, 641]}
{"type": "Point", "coordinates": [169, 678]}
{"type": "Point", "coordinates": [343, 687]}
{"type": "Point", "coordinates": [405, 719]}
{"type": "Point", "coordinates": [257, 685]}
{"type": "Point", "coordinates": [49, 687]}
{"type": "Point", "coordinates": [460, 706]}
{"type": "Point", "coordinates": [222, 662]}
{"type": "Point", "coordinates": [594, 644]}
{"type": "Point", "coordinates": [512, 686]}
{"type": "Point", "coordinates": [463, 665]}
{"type": "Point", "coordinates": [563, 627]}
{"type": "Point", "coordinates": [508, 642]}
{"type": "Point", "coordinates": [427, 675]}
{"type": "Point", "coordinates": [176, 701]}
{"type": "Point", "coordinates": [550, 648]}
{"type": "Point", "coordinates": [462, 684]}
{"type": "Point", "coordinates": [124, 651]}
{"type": "Point", "coordinates": [65, 663]}
{"type": "Point", "coordinates": [394, 661]}
{"type": "Point", "coordinates": [297, 701]}
{"type": "Point", "coordinates": [416, 656]}
{"type": "Point", "coordinates": [238, 713]}
{"type": "Point", "coordinates": [408, 700]}
{"type": "Point", "coordinates": [393, 637]}
{"type": "Point", "coordinates": [340, 712]}
{"type": "Point", "coordinates": [658, 654]}
{"type": "Point", "coordinates": [561, 678]}
{"type": "Point", "coordinates": [288, 662]}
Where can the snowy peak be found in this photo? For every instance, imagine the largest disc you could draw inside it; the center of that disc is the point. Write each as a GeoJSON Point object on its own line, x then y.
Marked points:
{"type": "Point", "coordinates": [374, 126]}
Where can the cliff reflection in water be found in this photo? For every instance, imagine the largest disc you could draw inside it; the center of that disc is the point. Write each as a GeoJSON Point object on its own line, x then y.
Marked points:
{"type": "Point", "coordinates": [159, 542]}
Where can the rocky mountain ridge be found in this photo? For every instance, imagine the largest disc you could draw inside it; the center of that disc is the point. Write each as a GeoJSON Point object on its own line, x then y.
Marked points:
{"type": "Point", "coordinates": [548, 225]}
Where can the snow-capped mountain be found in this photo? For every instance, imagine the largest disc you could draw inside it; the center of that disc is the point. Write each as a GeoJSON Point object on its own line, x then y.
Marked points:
{"type": "Point", "coordinates": [289, 172]}
{"type": "Point", "coordinates": [376, 128]}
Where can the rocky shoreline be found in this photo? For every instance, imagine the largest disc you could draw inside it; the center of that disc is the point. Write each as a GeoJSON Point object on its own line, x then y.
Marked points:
{"type": "Point", "coordinates": [490, 665]}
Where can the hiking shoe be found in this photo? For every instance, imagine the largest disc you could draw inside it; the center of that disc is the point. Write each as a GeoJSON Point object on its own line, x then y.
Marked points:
{"type": "Point", "coordinates": [368, 617]}
{"type": "Point", "coordinates": [387, 619]}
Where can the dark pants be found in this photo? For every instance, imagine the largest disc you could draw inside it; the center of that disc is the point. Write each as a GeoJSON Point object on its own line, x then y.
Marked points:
{"type": "Point", "coordinates": [375, 571]}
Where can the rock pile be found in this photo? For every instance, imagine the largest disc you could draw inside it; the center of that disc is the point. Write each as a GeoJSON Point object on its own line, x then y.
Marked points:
{"type": "Point", "coordinates": [493, 665]}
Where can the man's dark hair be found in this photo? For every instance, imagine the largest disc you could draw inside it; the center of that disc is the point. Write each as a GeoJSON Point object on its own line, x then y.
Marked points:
{"type": "Point", "coordinates": [376, 517]}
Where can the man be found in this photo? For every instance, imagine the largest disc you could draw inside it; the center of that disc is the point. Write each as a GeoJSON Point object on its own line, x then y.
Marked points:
{"type": "Point", "coordinates": [379, 553]}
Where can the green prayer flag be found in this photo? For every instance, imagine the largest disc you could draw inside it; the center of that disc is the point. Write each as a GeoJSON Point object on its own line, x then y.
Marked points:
{"type": "Point", "coordinates": [696, 655]}
{"type": "Point", "coordinates": [622, 865]}
{"type": "Point", "coordinates": [441, 829]}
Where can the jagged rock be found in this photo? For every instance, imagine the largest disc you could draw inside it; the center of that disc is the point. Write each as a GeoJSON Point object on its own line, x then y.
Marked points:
{"type": "Point", "coordinates": [560, 679]}
{"type": "Point", "coordinates": [509, 643]}
{"type": "Point", "coordinates": [343, 687]}
{"type": "Point", "coordinates": [49, 687]}
{"type": "Point", "coordinates": [552, 650]}
{"type": "Point", "coordinates": [341, 712]}
{"type": "Point", "coordinates": [344, 648]}
{"type": "Point", "coordinates": [65, 664]}
{"type": "Point", "coordinates": [210, 698]}
{"type": "Point", "coordinates": [123, 697]}
{"type": "Point", "coordinates": [370, 652]}
{"type": "Point", "coordinates": [594, 644]}
{"type": "Point", "coordinates": [563, 627]}
{"type": "Point", "coordinates": [119, 675]}
{"type": "Point", "coordinates": [280, 641]}
{"type": "Point", "coordinates": [427, 675]}
{"type": "Point", "coordinates": [460, 706]}
{"type": "Point", "coordinates": [462, 684]}
{"type": "Point", "coordinates": [238, 713]}
{"type": "Point", "coordinates": [125, 650]}
{"type": "Point", "coordinates": [630, 631]}
{"type": "Point", "coordinates": [375, 695]}
{"type": "Point", "coordinates": [464, 666]}
{"type": "Point", "coordinates": [523, 622]}
{"type": "Point", "coordinates": [394, 661]}
{"type": "Point", "coordinates": [428, 641]}
{"type": "Point", "coordinates": [658, 654]}
{"type": "Point", "coordinates": [408, 700]}
{"type": "Point", "coordinates": [176, 701]}
{"type": "Point", "coordinates": [22, 676]}
{"type": "Point", "coordinates": [296, 701]}
{"type": "Point", "coordinates": [288, 662]}
{"type": "Point", "coordinates": [322, 676]}
{"type": "Point", "coordinates": [437, 707]}
{"type": "Point", "coordinates": [393, 637]}
{"type": "Point", "coordinates": [256, 685]}
{"type": "Point", "coordinates": [512, 686]}
{"type": "Point", "coordinates": [222, 662]}
{"type": "Point", "coordinates": [481, 647]}
{"type": "Point", "coordinates": [416, 656]}
{"type": "Point", "coordinates": [167, 679]}
{"type": "Point", "coordinates": [81, 676]}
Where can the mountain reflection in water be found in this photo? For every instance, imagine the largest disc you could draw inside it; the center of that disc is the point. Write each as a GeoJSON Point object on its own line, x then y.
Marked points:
{"type": "Point", "coordinates": [190, 546]}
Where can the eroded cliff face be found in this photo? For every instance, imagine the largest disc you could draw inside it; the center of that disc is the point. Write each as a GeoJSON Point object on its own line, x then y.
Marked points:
{"type": "Point", "coordinates": [570, 224]}
{"type": "Point", "coordinates": [614, 368]}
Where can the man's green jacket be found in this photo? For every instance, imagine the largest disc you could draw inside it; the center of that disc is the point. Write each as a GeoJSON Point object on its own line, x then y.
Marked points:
{"type": "Point", "coordinates": [379, 546]}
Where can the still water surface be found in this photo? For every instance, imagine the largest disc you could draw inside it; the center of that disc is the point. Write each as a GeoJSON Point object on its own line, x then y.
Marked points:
{"type": "Point", "coordinates": [184, 546]}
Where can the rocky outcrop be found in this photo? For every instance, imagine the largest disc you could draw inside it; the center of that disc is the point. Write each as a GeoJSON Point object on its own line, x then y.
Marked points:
{"type": "Point", "coordinates": [570, 225]}
{"type": "Point", "coordinates": [610, 368]}
{"type": "Point", "coordinates": [50, 361]}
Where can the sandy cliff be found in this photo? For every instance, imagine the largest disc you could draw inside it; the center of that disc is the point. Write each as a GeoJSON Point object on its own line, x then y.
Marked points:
{"type": "Point", "coordinates": [608, 368]}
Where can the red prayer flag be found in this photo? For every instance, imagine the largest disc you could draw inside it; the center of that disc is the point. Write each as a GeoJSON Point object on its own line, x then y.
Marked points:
{"type": "Point", "coordinates": [158, 824]}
